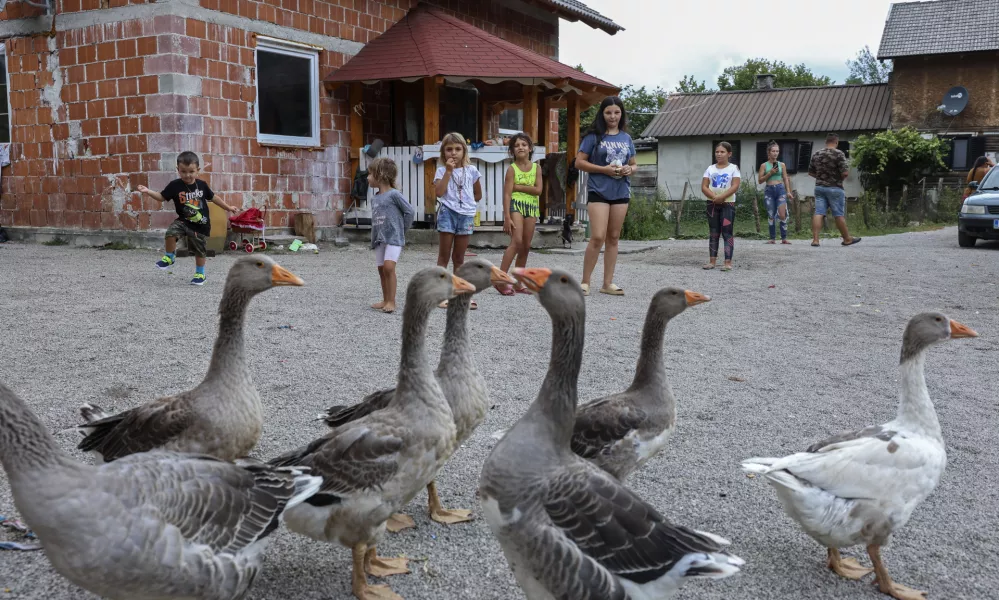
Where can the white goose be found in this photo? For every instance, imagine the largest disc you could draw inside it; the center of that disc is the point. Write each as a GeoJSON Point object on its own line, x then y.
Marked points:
{"type": "Point", "coordinates": [860, 487]}
{"type": "Point", "coordinates": [569, 529]}
{"type": "Point", "coordinates": [151, 526]}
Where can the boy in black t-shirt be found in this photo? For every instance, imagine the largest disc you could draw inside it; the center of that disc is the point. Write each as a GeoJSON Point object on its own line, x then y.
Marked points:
{"type": "Point", "coordinates": [190, 196]}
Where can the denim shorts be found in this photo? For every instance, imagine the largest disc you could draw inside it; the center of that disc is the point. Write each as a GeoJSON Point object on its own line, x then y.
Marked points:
{"type": "Point", "coordinates": [830, 199]}
{"type": "Point", "coordinates": [448, 221]}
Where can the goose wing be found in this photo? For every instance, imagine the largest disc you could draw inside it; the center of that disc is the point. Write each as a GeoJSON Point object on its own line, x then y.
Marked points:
{"type": "Point", "coordinates": [212, 502]}
{"type": "Point", "coordinates": [339, 415]}
{"type": "Point", "coordinates": [350, 460]}
{"type": "Point", "coordinates": [612, 525]}
{"type": "Point", "coordinates": [603, 423]}
{"type": "Point", "coordinates": [862, 464]}
{"type": "Point", "coordinates": [140, 429]}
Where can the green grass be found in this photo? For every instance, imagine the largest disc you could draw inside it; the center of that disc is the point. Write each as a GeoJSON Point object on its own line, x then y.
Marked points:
{"type": "Point", "coordinates": [56, 241]}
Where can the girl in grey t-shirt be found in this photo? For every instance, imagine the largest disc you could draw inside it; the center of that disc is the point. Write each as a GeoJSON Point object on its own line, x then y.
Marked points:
{"type": "Point", "coordinates": [391, 216]}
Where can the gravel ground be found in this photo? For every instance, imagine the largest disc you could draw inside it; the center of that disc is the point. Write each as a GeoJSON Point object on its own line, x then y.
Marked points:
{"type": "Point", "coordinates": [797, 343]}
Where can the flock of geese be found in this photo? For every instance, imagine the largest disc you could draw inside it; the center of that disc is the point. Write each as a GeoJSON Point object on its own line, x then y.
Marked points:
{"type": "Point", "coordinates": [175, 509]}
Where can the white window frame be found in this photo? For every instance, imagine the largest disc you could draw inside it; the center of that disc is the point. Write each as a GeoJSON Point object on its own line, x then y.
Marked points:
{"type": "Point", "coordinates": [296, 50]}
{"type": "Point", "coordinates": [10, 111]}
{"type": "Point", "coordinates": [503, 131]}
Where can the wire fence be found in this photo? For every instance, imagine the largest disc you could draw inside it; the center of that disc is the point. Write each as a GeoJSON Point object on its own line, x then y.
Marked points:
{"type": "Point", "coordinates": [657, 216]}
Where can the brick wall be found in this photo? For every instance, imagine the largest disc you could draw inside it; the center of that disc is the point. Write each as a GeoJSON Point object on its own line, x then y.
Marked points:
{"type": "Point", "coordinates": [99, 110]}
{"type": "Point", "coordinates": [919, 84]}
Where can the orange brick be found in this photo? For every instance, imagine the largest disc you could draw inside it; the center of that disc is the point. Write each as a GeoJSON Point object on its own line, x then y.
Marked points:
{"type": "Point", "coordinates": [95, 71]}
{"type": "Point", "coordinates": [128, 87]}
{"type": "Point", "coordinates": [87, 91]}
{"type": "Point", "coordinates": [86, 54]}
{"type": "Point", "coordinates": [128, 125]}
{"type": "Point", "coordinates": [134, 67]}
{"type": "Point", "coordinates": [135, 105]}
{"type": "Point", "coordinates": [196, 29]}
{"type": "Point", "coordinates": [114, 69]}
{"type": "Point", "coordinates": [149, 85]}
{"type": "Point", "coordinates": [109, 127]}
{"type": "Point", "coordinates": [117, 145]}
{"type": "Point", "coordinates": [89, 127]}
{"type": "Point", "coordinates": [107, 89]}
{"type": "Point", "coordinates": [67, 57]}
{"type": "Point", "coordinates": [146, 46]}
{"type": "Point", "coordinates": [76, 74]}
{"type": "Point", "coordinates": [106, 51]}
{"type": "Point", "coordinates": [126, 49]}
{"type": "Point", "coordinates": [96, 109]}
{"type": "Point", "coordinates": [115, 107]}
{"type": "Point", "coordinates": [98, 146]}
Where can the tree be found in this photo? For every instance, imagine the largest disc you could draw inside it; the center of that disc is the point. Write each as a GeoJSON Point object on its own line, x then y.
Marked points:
{"type": "Point", "coordinates": [743, 77]}
{"type": "Point", "coordinates": [867, 69]}
{"type": "Point", "coordinates": [894, 158]}
{"type": "Point", "coordinates": [636, 101]}
{"type": "Point", "coordinates": [689, 85]}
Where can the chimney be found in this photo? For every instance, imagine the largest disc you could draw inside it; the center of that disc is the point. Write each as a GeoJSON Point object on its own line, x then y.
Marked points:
{"type": "Point", "coordinates": [765, 81]}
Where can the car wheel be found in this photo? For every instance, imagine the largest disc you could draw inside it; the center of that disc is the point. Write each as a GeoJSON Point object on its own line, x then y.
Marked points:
{"type": "Point", "coordinates": [965, 241]}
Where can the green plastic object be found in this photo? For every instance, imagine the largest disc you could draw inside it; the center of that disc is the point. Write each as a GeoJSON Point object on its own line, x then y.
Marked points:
{"type": "Point", "coordinates": [294, 246]}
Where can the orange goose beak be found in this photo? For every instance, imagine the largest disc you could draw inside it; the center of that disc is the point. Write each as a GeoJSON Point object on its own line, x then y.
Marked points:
{"type": "Point", "coordinates": [460, 286]}
{"type": "Point", "coordinates": [534, 279]}
{"type": "Point", "coordinates": [694, 298]}
{"type": "Point", "coordinates": [497, 276]}
{"type": "Point", "coordinates": [282, 276]}
{"type": "Point", "coordinates": [960, 330]}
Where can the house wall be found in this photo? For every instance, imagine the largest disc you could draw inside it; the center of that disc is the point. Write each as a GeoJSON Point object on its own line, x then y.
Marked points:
{"type": "Point", "coordinates": [920, 82]}
{"type": "Point", "coordinates": [683, 160]}
{"type": "Point", "coordinates": [105, 95]}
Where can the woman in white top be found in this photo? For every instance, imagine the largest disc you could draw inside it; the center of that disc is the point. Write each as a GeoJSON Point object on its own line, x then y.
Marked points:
{"type": "Point", "coordinates": [720, 184]}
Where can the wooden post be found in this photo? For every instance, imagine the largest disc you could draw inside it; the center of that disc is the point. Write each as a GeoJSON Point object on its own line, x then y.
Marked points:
{"type": "Point", "coordinates": [485, 115]}
{"type": "Point", "coordinates": [922, 204]}
{"type": "Point", "coordinates": [544, 123]}
{"type": "Point", "coordinates": [355, 103]}
{"type": "Point", "coordinates": [531, 111]}
{"type": "Point", "coordinates": [679, 210]}
{"type": "Point", "coordinates": [756, 212]}
{"type": "Point", "coordinates": [431, 135]}
{"type": "Point", "coordinates": [571, 146]}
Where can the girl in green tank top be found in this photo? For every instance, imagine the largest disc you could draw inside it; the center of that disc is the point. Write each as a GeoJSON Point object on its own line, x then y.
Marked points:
{"type": "Point", "coordinates": [521, 209]}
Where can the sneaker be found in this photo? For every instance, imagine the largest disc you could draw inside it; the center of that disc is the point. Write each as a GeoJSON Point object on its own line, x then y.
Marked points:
{"type": "Point", "coordinates": [199, 279]}
{"type": "Point", "coordinates": [164, 263]}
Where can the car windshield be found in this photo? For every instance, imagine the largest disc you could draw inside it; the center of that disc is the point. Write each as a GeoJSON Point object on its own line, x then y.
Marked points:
{"type": "Point", "coordinates": [991, 180]}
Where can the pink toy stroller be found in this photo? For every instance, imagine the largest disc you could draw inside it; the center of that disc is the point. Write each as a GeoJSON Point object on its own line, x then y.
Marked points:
{"type": "Point", "coordinates": [249, 222]}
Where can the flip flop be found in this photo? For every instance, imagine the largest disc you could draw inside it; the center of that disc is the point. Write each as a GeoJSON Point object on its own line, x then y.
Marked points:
{"type": "Point", "coordinates": [473, 306]}
{"type": "Point", "coordinates": [727, 268]}
{"type": "Point", "coordinates": [504, 290]}
{"type": "Point", "coordinates": [852, 242]}
{"type": "Point", "coordinates": [785, 242]}
{"type": "Point", "coordinates": [586, 288]}
{"type": "Point", "coordinates": [522, 290]}
{"type": "Point", "coordinates": [772, 242]}
{"type": "Point", "coordinates": [814, 245]}
{"type": "Point", "coordinates": [708, 267]}
{"type": "Point", "coordinates": [612, 290]}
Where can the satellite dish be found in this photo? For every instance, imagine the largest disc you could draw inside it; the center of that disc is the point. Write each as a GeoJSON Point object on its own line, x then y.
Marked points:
{"type": "Point", "coordinates": [954, 101]}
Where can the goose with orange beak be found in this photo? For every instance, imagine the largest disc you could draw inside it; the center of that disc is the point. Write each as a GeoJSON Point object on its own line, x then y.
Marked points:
{"type": "Point", "coordinates": [621, 432]}
{"type": "Point", "coordinates": [223, 416]}
{"type": "Point", "coordinates": [859, 487]}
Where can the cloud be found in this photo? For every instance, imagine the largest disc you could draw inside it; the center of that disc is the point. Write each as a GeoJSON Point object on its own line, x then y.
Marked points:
{"type": "Point", "coordinates": [665, 40]}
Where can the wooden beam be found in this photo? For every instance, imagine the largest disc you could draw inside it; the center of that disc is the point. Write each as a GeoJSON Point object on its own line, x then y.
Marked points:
{"type": "Point", "coordinates": [354, 104]}
{"type": "Point", "coordinates": [531, 111]}
{"type": "Point", "coordinates": [431, 135]}
{"type": "Point", "coordinates": [544, 123]}
{"type": "Point", "coordinates": [571, 146]}
{"type": "Point", "coordinates": [486, 117]}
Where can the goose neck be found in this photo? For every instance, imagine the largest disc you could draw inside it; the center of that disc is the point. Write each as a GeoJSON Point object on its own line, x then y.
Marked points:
{"type": "Point", "coordinates": [556, 403]}
{"type": "Point", "coordinates": [457, 347]}
{"type": "Point", "coordinates": [228, 355]}
{"type": "Point", "coordinates": [650, 369]}
{"type": "Point", "coordinates": [915, 408]}
{"type": "Point", "coordinates": [413, 367]}
{"type": "Point", "coordinates": [26, 446]}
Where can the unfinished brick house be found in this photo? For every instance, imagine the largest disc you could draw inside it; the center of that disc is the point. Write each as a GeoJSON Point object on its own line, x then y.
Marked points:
{"type": "Point", "coordinates": [936, 46]}
{"type": "Point", "coordinates": [103, 94]}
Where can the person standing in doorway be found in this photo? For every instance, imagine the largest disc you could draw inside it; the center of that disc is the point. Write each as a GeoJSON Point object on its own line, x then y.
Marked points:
{"type": "Point", "coordinates": [719, 185]}
{"type": "Point", "coordinates": [607, 153]}
{"type": "Point", "coordinates": [776, 193]}
{"type": "Point", "coordinates": [830, 168]}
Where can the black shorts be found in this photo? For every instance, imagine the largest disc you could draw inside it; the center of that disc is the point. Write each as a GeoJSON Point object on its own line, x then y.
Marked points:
{"type": "Point", "coordinates": [592, 197]}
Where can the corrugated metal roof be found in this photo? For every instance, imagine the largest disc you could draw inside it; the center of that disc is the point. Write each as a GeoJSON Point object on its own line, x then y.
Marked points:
{"type": "Point", "coordinates": [795, 110]}
{"type": "Point", "coordinates": [428, 42]}
{"type": "Point", "coordinates": [941, 27]}
{"type": "Point", "coordinates": [580, 11]}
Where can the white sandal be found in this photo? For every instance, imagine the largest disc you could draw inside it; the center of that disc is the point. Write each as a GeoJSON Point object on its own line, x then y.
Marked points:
{"type": "Point", "coordinates": [612, 290]}
{"type": "Point", "coordinates": [586, 288]}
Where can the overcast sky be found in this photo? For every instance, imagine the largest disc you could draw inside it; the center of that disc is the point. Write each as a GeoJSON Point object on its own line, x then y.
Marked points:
{"type": "Point", "coordinates": [664, 40]}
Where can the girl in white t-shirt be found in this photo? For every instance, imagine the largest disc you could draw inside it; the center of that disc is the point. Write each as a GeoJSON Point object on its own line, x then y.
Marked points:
{"type": "Point", "coordinates": [458, 189]}
{"type": "Point", "coordinates": [720, 184]}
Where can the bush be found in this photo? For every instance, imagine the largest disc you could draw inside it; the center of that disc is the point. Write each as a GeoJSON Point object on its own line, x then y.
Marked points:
{"type": "Point", "coordinates": [649, 218]}
{"type": "Point", "coordinates": [891, 159]}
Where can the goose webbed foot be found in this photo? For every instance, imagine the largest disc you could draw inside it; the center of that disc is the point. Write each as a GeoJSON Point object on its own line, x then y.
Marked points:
{"type": "Point", "coordinates": [885, 583]}
{"type": "Point", "coordinates": [398, 521]}
{"type": "Point", "coordinates": [380, 566]}
{"type": "Point", "coordinates": [443, 515]}
{"type": "Point", "coordinates": [359, 580]}
{"type": "Point", "coordinates": [846, 567]}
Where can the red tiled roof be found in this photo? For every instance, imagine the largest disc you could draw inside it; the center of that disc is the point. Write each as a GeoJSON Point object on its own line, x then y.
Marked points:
{"type": "Point", "coordinates": [430, 43]}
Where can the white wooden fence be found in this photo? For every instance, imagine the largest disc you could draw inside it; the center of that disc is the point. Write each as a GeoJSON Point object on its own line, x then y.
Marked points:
{"type": "Point", "coordinates": [491, 161]}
